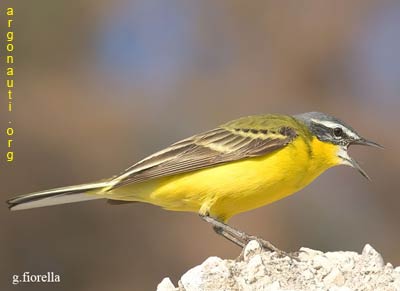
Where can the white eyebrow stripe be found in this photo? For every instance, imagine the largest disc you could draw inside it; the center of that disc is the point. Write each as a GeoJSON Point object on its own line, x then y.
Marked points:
{"type": "Point", "coordinates": [332, 124]}
{"type": "Point", "coordinates": [350, 133]}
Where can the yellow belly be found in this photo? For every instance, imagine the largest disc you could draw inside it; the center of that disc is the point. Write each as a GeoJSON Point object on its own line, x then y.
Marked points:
{"type": "Point", "coordinates": [232, 188]}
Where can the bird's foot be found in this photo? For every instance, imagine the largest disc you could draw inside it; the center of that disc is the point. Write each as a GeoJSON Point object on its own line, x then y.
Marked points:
{"type": "Point", "coordinates": [241, 238]}
{"type": "Point", "coordinates": [268, 246]}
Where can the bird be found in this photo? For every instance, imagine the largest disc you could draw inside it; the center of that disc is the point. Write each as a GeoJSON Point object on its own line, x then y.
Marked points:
{"type": "Point", "coordinates": [236, 167]}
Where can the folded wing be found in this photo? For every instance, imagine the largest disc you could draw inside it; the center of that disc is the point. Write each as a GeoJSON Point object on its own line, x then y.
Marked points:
{"type": "Point", "coordinates": [218, 146]}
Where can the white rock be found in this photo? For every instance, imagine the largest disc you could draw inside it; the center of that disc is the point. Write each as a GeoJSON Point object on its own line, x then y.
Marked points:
{"type": "Point", "coordinates": [200, 277]}
{"type": "Point", "coordinates": [344, 288]}
{"type": "Point", "coordinates": [307, 254]}
{"type": "Point", "coordinates": [347, 265]}
{"type": "Point", "coordinates": [307, 274]}
{"type": "Point", "coordinates": [310, 251]}
{"type": "Point", "coordinates": [193, 279]}
{"type": "Point", "coordinates": [252, 248]}
{"type": "Point", "coordinates": [335, 277]}
{"type": "Point", "coordinates": [389, 267]}
{"type": "Point", "coordinates": [322, 262]}
{"type": "Point", "coordinates": [255, 263]}
{"type": "Point", "coordinates": [372, 256]}
{"type": "Point", "coordinates": [317, 271]}
{"type": "Point", "coordinates": [255, 269]}
{"type": "Point", "coordinates": [166, 285]}
{"type": "Point", "coordinates": [275, 286]}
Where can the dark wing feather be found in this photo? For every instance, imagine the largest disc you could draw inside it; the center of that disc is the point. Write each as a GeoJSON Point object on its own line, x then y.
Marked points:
{"type": "Point", "coordinates": [214, 147]}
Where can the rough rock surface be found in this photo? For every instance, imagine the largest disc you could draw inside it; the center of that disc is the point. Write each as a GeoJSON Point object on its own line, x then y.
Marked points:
{"type": "Point", "coordinates": [261, 270]}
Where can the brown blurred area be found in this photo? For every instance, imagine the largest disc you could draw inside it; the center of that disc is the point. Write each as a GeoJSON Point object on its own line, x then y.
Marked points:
{"type": "Point", "coordinates": [102, 84]}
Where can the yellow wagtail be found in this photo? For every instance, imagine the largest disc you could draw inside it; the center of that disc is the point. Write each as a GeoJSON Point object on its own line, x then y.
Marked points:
{"type": "Point", "coordinates": [238, 166]}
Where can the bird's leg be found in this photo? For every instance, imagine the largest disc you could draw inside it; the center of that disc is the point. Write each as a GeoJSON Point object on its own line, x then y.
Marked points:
{"type": "Point", "coordinates": [228, 236]}
{"type": "Point", "coordinates": [238, 237]}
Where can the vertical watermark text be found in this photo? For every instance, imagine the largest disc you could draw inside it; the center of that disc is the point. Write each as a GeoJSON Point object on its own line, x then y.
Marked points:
{"type": "Point", "coordinates": [7, 85]}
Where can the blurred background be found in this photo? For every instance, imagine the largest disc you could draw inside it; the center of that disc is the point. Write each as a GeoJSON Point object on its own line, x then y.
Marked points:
{"type": "Point", "coordinates": [102, 84]}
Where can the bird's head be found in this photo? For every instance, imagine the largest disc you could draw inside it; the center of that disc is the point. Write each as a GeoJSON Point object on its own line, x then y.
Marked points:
{"type": "Point", "coordinates": [329, 129]}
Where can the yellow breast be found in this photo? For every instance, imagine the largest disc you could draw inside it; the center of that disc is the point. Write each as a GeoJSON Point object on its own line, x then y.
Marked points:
{"type": "Point", "coordinates": [235, 187]}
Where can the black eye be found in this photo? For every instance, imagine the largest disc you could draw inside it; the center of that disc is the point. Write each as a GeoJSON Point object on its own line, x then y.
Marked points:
{"type": "Point", "coordinates": [337, 132]}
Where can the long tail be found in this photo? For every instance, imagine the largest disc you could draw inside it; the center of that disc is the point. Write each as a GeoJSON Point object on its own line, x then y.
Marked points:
{"type": "Point", "coordinates": [56, 196]}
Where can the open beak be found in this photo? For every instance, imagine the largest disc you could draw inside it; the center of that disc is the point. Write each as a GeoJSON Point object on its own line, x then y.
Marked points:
{"type": "Point", "coordinates": [347, 160]}
{"type": "Point", "coordinates": [353, 163]}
